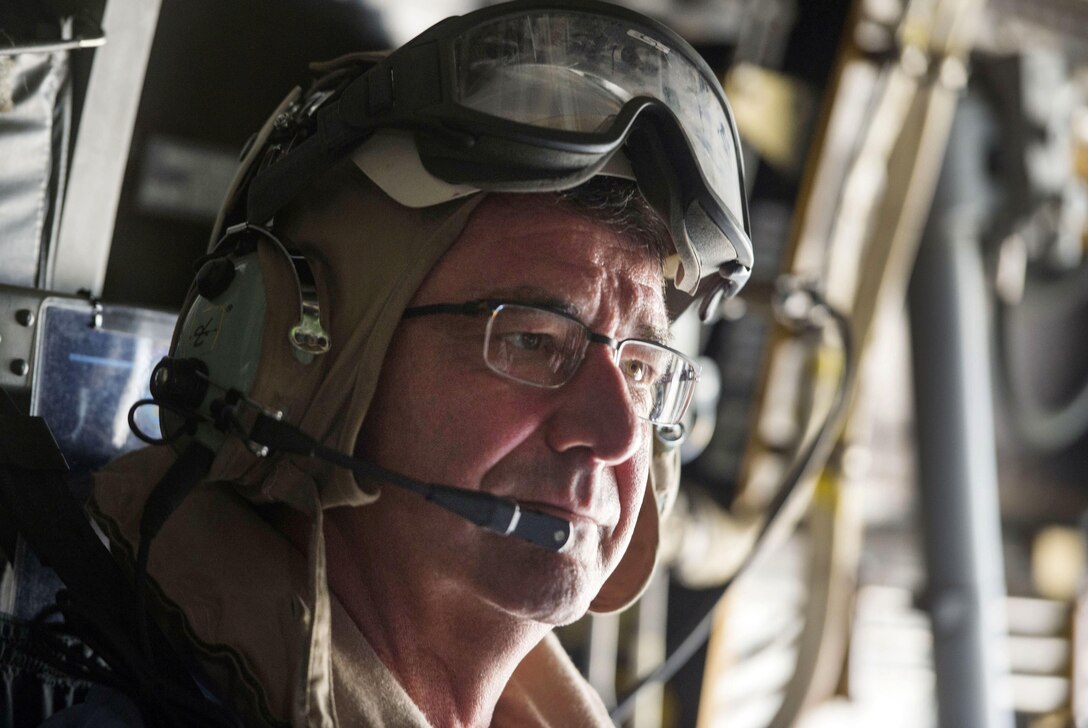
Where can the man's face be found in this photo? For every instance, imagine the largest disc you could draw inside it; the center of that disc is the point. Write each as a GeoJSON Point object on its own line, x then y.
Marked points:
{"type": "Point", "coordinates": [579, 451]}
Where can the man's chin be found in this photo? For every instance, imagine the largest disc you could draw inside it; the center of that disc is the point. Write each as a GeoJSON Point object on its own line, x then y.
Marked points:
{"type": "Point", "coordinates": [545, 587]}
{"type": "Point", "coordinates": [551, 604]}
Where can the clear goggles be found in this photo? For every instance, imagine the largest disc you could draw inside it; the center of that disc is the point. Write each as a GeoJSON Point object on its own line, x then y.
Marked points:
{"type": "Point", "coordinates": [542, 96]}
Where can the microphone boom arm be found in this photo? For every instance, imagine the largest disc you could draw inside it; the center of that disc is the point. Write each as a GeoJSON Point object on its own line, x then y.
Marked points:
{"type": "Point", "coordinates": [500, 515]}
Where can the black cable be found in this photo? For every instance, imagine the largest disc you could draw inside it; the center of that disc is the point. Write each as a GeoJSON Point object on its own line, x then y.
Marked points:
{"type": "Point", "coordinates": [816, 451]}
{"type": "Point", "coordinates": [188, 416]}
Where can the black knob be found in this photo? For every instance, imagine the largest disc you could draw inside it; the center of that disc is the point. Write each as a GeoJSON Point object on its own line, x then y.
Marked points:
{"type": "Point", "coordinates": [214, 277]}
{"type": "Point", "coordinates": [25, 317]}
{"type": "Point", "coordinates": [180, 382]}
{"type": "Point", "coordinates": [19, 367]}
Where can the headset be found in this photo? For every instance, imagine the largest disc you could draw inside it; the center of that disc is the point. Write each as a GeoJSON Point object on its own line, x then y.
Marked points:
{"type": "Point", "coordinates": [203, 389]}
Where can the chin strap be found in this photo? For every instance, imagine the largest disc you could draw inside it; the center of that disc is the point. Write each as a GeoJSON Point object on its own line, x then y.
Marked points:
{"type": "Point", "coordinates": [188, 470]}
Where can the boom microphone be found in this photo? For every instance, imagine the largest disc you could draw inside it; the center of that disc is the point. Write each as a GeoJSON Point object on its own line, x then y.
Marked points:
{"type": "Point", "coordinates": [501, 515]}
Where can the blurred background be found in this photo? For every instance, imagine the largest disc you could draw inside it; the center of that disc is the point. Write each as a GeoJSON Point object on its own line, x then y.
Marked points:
{"type": "Point", "coordinates": [882, 517]}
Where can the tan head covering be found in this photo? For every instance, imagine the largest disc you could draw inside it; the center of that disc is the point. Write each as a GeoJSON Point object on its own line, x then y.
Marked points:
{"type": "Point", "coordinates": [369, 255]}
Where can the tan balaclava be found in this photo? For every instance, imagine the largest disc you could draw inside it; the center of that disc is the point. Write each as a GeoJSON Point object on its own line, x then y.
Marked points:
{"type": "Point", "coordinates": [369, 256]}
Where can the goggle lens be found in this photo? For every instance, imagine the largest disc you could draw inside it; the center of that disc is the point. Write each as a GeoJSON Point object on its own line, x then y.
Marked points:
{"type": "Point", "coordinates": [574, 71]}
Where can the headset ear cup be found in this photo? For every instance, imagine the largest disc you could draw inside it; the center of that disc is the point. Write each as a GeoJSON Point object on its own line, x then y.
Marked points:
{"type": "Point", "coordinates": [220, 330]}
{"type": "Point", "coordinates": [251, 288]}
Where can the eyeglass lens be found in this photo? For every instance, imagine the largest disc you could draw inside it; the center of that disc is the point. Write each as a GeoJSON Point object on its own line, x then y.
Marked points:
{"type": "Point", "coordinates": [544, 348]}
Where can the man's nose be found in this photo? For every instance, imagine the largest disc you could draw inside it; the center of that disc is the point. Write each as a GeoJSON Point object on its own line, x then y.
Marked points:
{"type": "Point", "coordinates": [597, 411]}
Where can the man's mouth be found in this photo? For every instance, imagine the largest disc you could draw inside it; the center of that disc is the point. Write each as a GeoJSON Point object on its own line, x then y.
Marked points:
{"type": "Point", "coordinates": [560, 511]}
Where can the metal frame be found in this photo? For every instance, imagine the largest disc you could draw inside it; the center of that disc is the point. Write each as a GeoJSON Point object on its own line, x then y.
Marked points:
{"type": "Point", "coordinates": [79, 258]}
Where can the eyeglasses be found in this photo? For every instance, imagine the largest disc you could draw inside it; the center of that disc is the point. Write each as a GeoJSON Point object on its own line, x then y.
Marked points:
{"type": "Point", "coordinates": [544, 347]}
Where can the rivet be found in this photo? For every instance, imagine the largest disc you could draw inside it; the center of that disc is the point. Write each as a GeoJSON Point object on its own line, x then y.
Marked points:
{"type": "Point", "coordinates": [25, 317]}
{"type": "Point", "coordinates": [19, 367]}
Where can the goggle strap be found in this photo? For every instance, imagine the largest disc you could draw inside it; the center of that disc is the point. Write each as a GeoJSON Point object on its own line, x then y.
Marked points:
{"type": "Point", "coordinates": [659, 184]}
{"type": "Point", "coordinates": [275, 186]}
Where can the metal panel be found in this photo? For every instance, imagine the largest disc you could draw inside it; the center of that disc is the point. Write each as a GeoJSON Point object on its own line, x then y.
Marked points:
{"type": "Point", "coordinates": [30, 129]}
{"type": "Point", "coordinates": [101, 149]}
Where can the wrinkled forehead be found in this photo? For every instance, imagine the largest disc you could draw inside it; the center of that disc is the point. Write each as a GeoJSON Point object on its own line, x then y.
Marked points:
{"type": "Point", "coordinates": [540, 249]}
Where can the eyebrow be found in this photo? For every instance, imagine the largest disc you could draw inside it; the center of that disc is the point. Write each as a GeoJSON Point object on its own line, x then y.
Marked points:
{"type": "Point", "coordinates": [533, 296]}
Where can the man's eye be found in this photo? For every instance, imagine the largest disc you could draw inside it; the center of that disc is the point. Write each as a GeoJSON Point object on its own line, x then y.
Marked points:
{"type": "Point", "coordinates": [528, 341]}
{"type": "Point", "coordinates": [638, 372]}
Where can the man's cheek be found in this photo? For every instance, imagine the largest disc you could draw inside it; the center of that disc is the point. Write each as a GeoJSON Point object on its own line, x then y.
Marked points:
{"type": "Point", "coordinates": [637, 473]}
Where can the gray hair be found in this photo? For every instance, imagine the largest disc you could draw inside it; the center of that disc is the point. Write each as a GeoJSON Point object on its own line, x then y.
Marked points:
{"type": "Point", "coordinates": [618, 204]}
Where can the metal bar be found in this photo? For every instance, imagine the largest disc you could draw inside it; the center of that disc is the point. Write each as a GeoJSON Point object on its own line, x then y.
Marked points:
{"type": "Point", "coordinates": [961, 521]}
{"type": "Point", "coordinates": [94, 39]}
{"type": "Point", "coordinates": [78, 261]}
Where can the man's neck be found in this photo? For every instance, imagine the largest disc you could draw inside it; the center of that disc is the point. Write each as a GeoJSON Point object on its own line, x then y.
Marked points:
{"type": "Point", "coordinates": [451, 651]}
